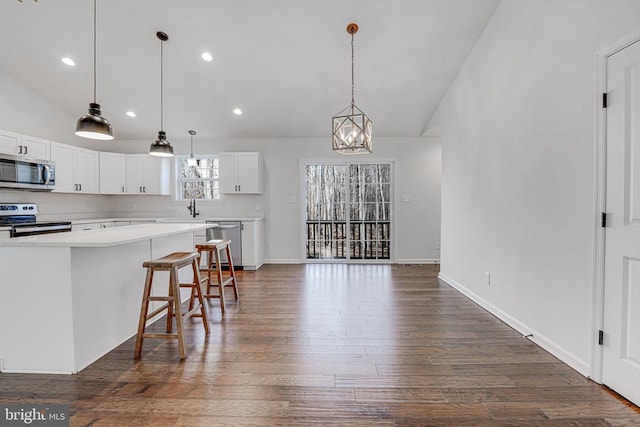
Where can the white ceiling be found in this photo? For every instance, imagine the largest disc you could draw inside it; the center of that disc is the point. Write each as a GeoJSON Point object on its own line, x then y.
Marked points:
{"type": "Point", "coordinates": [286, 63]}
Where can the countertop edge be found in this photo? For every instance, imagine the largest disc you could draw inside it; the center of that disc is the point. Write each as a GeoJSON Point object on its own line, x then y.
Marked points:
{"type": "Point", "coordinates": [104, 237]}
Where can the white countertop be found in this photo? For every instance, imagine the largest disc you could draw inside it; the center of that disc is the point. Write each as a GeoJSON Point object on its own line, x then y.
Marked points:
{"type": "Point", "coordinates": [170, 219]}
{"type": "Point", "coordinates": [104, 237]}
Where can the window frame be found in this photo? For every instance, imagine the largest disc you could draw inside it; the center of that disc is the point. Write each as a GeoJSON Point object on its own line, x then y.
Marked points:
{"type": "Point", "coordinates": [178, 180]}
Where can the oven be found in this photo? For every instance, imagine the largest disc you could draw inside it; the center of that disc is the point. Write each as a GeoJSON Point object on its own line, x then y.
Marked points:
{"type": "Point", "coordinates": [21, 218]}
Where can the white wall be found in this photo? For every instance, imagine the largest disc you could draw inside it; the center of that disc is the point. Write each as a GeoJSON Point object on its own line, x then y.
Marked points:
{"type": "Point", "coordinates": [417, 172]}
{"type": "Point", "coordinates": [417, 165]}
{"type": "Point", "coordinates": [518, 167]}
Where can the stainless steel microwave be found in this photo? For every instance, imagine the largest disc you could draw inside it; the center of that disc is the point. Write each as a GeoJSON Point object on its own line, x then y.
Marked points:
{"type": "Point", "coordinates": [27, 174]}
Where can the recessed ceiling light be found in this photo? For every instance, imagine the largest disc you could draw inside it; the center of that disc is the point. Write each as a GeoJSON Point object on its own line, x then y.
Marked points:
{"type": "Point", "coordinates": [237, 111]}
{"type": "Point", "coordinates": [131, 114]}
{"type": "Point", "coordinates": [207, 56]}
{"type": "Point", "coordinates": [68, 61]}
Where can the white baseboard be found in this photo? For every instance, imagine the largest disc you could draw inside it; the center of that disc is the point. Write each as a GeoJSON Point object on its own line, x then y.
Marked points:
{"type": "Point", "coordinates": [418, 261]}
{"type": "Point", "coordinates": [550, 346]}
{"type": "Point", "coordinates": [400, 261]}
{"type": "Point", "coordinates": [282, 261]}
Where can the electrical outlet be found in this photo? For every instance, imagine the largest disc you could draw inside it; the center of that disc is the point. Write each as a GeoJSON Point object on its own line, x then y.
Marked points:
{"type": "Point", "coordinates": [487, 278]}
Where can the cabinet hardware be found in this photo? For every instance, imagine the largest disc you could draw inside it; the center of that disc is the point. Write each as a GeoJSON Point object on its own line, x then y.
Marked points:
{"type": "Point", "coordinates": [19, 149]}
{"type": "Point", "coordinates": [26, 149]}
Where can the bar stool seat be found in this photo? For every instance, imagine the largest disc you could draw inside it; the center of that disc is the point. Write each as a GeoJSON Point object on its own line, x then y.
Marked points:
{"type": "Point", "coordinates": [172, 263]}
{"type": "Point", "coordinates": [215, 249]}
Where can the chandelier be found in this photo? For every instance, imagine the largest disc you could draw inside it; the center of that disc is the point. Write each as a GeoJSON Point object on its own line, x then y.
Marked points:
{"type": "Point", "coordinates": [352, 129]}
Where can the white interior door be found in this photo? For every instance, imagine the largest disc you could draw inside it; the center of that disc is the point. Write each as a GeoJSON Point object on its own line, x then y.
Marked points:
{"type": "Point", "coordinates": [621, 343]}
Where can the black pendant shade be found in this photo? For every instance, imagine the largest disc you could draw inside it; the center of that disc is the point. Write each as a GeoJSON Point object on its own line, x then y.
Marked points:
{"type": "Point", "coordinates": [93, 125]}
{"type": "Point", "coordinates": [161, 147]}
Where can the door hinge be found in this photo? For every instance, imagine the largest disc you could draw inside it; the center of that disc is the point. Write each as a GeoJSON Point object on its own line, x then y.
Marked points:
{"type": "Point", "coordinates": [605, 104]}
{"type": "Point", "coordinates": [604, 220]}
{"type": "Point", "coordinates": [600, 337]}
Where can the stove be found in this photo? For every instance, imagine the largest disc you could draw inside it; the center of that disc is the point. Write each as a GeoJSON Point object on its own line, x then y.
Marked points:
{"type": "Point", "coordinates": [21, 217]}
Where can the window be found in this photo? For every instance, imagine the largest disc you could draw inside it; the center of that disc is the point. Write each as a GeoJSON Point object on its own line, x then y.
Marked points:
{"type": "Point", "coordinates": [199, 181]}
{"type": "Point", "coordinates": [348, 211]}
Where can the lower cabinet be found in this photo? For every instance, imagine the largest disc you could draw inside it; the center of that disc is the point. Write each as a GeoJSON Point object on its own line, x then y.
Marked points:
{"type": "Point", "coordinates": [92, 225]}
{"type": "Point", "coordinates": [252, 244]}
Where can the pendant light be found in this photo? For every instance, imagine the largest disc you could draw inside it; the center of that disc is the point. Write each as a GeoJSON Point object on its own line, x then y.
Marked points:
{"type": "Point", "coordinates": [161, 147]}
{"type": "Point", "coordinates": [93, 125]}
{"type": "Point", "coordinates": [191, 161]}
{"type": "Point", "coordinates": [352, 129]}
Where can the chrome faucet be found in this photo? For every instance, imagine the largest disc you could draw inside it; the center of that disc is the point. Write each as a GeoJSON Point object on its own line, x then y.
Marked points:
{"type": "Point", "coordinates": [192, 208]}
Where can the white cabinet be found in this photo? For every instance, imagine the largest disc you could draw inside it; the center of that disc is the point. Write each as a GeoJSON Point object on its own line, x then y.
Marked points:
{"type": "Point", "coordinates": [252, 244]}
{"type": "Point", "coordinates": [240, 173]}
{"type": "Point", "coordinates": [147, 174]}
{"type": "Point", "coordinates": [112, 173]}
{"type": "Point", "coordinates": [92, 225]}
{"type": "Point", "coordinates": [77, 169]}
{"type": "Point", "coordinates": [23, 145]}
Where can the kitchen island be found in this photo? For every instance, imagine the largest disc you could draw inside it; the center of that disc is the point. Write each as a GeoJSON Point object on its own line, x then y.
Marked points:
{"type": "Point", "coordinates": [69, 298]}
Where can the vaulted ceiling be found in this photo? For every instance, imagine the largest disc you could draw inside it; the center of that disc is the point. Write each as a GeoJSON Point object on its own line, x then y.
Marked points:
{"type": "Point", "coordinates": [285, 63]}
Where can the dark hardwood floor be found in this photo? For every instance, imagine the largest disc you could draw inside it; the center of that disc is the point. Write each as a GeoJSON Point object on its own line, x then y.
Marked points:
{"type": "Point", "coordinates": [333, 345]}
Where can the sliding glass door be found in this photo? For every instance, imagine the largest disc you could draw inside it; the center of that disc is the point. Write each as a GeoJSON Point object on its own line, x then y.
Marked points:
{"type": "Point", "coordinates": [348, 211]}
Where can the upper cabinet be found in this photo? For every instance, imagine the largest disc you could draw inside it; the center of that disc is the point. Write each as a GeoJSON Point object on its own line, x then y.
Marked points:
{"type": "Point", "coordinates": [147, 175]}
{"type": "Point", "coordinates": [112, 173]}
{"type": "Point", "coordinates": [77, 169]}
{"type": "Point", "coordinates": [23, 145]}
{"type": "Point", "coordinates": [240, 173]}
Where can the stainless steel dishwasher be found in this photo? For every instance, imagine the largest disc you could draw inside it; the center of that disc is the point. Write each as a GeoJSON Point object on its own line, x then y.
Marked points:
{"type": "Point", "coordinates": [231, 230]}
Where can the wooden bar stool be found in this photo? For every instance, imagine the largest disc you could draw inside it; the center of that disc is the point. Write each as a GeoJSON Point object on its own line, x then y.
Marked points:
{"type": "Point", "coordinates": [171, 263]}
{"type": "Point", "coordinates": [214, 250]}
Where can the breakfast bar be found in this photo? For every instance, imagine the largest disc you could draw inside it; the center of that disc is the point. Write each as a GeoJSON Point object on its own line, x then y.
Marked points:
{"type": "Point", "coordinates": [69, 298]}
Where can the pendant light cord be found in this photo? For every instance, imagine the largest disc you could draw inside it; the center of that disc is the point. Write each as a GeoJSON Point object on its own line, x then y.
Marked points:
{"type": "Point", "coordinates": [161, 85]}
{"type": "Point", "coordinates": [95, 79]}
{"type": "Point", "coordinates": [352, 76]}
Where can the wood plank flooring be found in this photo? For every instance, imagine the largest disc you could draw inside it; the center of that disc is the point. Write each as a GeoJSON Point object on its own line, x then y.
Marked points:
{"type": "Point", "coordinates": [333, 345]}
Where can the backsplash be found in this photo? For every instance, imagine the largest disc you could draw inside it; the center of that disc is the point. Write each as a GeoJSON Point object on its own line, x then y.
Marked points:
{"type": "Point", "coordinates": [60, 206]}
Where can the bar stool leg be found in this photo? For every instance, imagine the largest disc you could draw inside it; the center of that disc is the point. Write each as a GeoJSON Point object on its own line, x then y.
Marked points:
{"type": "Point", "coordinates": [198, 292]}
{"type": "Point", "coordinates": [170, 313]}
{"type": "Point", "coordinates": [144, 309]}
{"type": "Point", "coordinates": [175, 289]}
{"type": "Point", "coordinates": [220, 281]}
{"type": "Point", "coordinates": [232, 271]}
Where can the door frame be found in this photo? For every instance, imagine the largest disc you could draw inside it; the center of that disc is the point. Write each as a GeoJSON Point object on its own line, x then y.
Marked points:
{"type": "Point", "coordinates": [302, 165]}
{"type": "Point", "coordinates": [600, 185]}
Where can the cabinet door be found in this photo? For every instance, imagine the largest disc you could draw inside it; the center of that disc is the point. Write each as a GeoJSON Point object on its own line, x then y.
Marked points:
{"type": "Point", "coordinates": [35, 148]}
{"type": "Point", "coordinates": [9, 142]}
{"type": "Point", "coordinates": [112, 173]}
{"type": "Point", "coordinates": [87, 170]}
{"type": "Point", "coordinates": [134, 173]}
{"type": "Point", "coordinates": [64, 157]}
{"type": "Point", "coordinates": [248, 244]}
{"type": "Point", "coordinates": [155, 175]}
{"type": "Point", "coordinates": [249, 173]}
{"type": "Point", "coordinates": [228, 169]}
